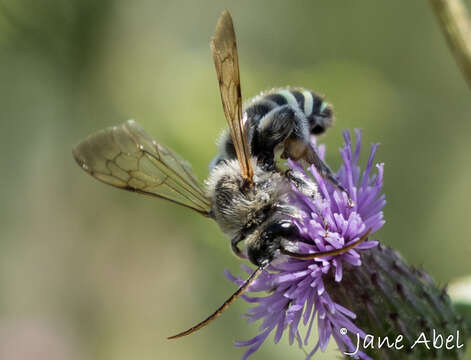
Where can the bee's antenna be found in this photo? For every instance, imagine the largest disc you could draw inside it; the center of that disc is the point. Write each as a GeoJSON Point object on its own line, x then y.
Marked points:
{"type": "Point", "coordinates": [224, 306]}
{"type": "Point", "coordinates": [325, 253]}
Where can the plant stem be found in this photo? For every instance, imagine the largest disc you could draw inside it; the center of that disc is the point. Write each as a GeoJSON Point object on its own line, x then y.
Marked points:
{"type": "Point", "coordinates": [455, 24]}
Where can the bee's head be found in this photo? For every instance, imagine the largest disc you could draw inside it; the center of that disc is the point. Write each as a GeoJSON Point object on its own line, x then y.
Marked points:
{"type": "Point", "coordinates": [234, 205]}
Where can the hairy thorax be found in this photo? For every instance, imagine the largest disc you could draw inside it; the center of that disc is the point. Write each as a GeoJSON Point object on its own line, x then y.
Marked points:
{"type": "Point", "coordinates": [235, 210]}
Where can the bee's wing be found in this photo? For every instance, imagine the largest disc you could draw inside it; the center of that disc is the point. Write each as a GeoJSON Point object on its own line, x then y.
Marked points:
{"type": "Point", "coordinates": [127, 157]}
{"type": "Point", "coordinates": [226, 61]}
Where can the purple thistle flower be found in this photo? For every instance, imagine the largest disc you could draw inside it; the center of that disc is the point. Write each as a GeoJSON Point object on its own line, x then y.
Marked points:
{"type": "Point", "coordinates": [295, 287]}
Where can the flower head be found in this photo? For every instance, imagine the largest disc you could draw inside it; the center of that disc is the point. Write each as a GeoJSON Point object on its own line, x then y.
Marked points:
{"type": "Point", "coordinates": [296, 291]}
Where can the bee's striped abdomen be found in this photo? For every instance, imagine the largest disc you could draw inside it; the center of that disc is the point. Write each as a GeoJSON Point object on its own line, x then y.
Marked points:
{"type": "Point", "coordinates": [318, 112]}
{"type": "Point", "coordinates": [275, 116]}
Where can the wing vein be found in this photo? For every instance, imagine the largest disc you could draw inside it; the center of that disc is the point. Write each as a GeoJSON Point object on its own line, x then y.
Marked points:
{"type": "Point", "coordinates": [226, 62]}
{"type": "Point", "coordinates": [128, 158]}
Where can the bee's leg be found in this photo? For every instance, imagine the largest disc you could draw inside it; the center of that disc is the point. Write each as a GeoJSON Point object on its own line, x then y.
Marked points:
{"type": "Point", "coordinates": [298, 149]}
{"type": "Point", "coordinates": [304, 185]}
{"type": "Point", "coordinates": [323, 169]}
{"type": "Point", "coordinates": [235, 248]}
{"type": "Point", "coordinates": [272, 129]}
{"type": "Point", "coordinates": [287, 125]}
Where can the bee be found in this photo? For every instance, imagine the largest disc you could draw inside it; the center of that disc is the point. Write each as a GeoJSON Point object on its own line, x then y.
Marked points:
{"type": "Point", "coordinates": [245, 193]}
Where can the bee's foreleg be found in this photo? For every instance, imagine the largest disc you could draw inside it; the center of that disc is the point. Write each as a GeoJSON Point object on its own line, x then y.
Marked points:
{"type": "Point", "coordinates": [235, 246]}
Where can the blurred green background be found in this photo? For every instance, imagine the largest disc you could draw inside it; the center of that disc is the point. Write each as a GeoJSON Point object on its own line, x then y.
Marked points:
{"type": "Point", "coordinates": [90, 272]}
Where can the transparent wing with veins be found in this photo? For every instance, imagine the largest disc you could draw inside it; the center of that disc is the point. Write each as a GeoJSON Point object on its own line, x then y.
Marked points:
{"type": "Point", "coordinates": [127, 157]}
{"type": "Point", "coordinates": [226, 61]}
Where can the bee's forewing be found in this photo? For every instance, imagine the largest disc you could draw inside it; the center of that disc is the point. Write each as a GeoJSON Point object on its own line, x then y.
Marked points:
{"type": "Point", "coordinates": [127, 157]}
{"type": "Point", "coordinates": [226, 61]}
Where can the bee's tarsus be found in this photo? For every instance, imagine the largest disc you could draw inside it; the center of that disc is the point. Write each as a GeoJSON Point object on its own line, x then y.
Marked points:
{"type": "Point", "coordinates": [350, 202]}
{"type": "Point", "coordinates": [335, 182]}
